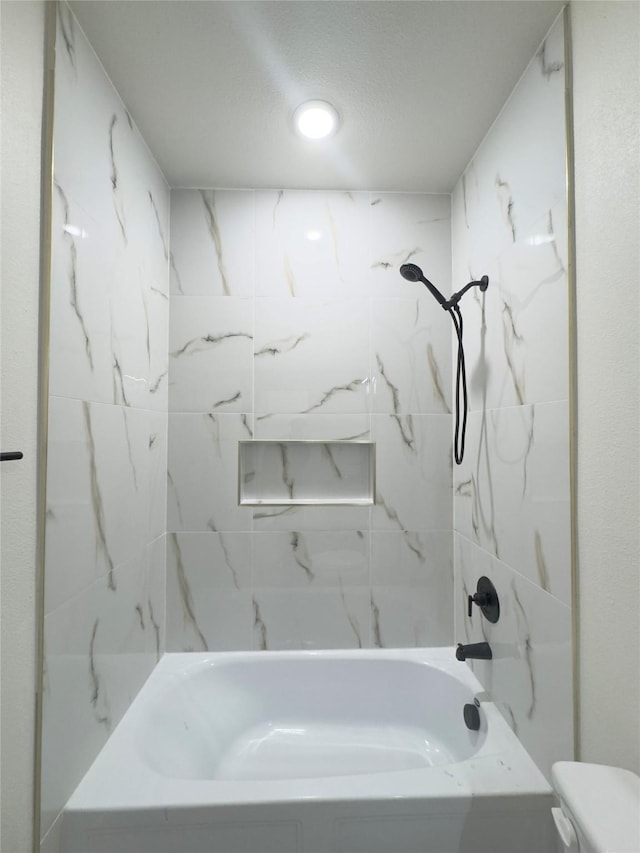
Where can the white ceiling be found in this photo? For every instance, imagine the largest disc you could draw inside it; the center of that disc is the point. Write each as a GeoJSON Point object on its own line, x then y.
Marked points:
{"type": "Point", "coordinates": [212, 84]}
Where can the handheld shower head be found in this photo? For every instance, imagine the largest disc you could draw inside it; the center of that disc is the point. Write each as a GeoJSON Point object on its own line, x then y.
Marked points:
{"type": "Point", "coordinates": [412, 272]}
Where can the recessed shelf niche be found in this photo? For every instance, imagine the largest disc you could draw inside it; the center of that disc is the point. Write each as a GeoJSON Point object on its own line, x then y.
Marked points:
{"type": "Point", "coordinates": [284, 473]}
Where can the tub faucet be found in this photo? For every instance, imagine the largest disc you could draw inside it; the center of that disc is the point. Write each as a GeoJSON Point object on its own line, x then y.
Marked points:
{"type": "Point", "coordinates": [479, 651]}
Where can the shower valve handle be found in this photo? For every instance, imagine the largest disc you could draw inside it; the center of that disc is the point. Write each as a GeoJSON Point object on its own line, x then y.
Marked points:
{"type": "Point", "coordinates": [486, 598]}
{"type": "Point", "coordinates": [482, 599]}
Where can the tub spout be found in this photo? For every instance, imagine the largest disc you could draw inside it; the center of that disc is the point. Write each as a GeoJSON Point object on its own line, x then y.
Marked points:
{"type": "Point", "coordinates": [480, 651]}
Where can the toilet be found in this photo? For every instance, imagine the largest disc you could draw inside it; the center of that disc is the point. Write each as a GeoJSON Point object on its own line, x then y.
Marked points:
{"type": "Point", "coordinates": [599, 808]}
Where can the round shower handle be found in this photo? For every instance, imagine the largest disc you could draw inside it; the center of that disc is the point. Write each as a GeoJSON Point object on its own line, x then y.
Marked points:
{"type": "Point", "coordinates": [482, 599]}
{"type": "Point", "coordinates": [486, 598]}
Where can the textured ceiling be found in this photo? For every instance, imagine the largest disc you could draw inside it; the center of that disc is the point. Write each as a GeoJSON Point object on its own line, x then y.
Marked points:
{"type": "Point", "coordinates": [212, 85]}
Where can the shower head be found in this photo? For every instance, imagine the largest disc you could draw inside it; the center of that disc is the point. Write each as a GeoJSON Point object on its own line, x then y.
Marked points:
{"type": "Point", "coordinates": [412, 272]}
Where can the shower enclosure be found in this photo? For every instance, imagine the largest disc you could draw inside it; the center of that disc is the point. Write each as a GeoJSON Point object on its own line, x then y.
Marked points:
{"type": "Point", "coordinates": [204, 340]}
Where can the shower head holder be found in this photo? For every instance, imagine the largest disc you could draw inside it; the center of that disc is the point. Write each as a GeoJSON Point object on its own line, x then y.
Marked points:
{"type": "Point", "coordinates": [483, 284]}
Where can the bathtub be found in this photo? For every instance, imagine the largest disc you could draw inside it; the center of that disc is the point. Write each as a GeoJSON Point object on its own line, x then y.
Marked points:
{"type": "Point", "coordinates": [310, 752]}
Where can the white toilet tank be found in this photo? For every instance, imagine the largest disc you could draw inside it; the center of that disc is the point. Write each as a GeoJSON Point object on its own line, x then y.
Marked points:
{"type": "Point", "coordinates": [600, 808]}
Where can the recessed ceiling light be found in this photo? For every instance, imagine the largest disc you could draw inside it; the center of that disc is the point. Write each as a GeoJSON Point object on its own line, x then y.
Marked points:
{"type": "Point", "coordinates": [315, 120]}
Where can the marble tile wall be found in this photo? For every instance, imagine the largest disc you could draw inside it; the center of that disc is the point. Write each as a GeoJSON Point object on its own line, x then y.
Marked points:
{"type": "Point", "coordinates": [511, 494]}
{"type": "Point", "coordinates": [107, 439]}
{"type": "Point", "coordinates": [290, 321]}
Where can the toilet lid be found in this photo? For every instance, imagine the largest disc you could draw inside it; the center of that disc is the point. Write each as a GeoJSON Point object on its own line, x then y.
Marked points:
{"type": "Point", "coordinates": [604, 802]}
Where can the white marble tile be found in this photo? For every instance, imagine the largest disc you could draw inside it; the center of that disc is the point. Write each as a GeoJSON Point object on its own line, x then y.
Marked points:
{"type": "Point", "coordinates": [100, 476]}
{"type": "Point", "coordinates": [99, 649]}
{"type": "Point", "coordinates": [130, 338]}
{"type": "Point", "coordinates": [529, 676]}
{"type": "Point", "coordinates": [212, 242]}
{"type": "Point", "coordinates": [120, 473]}
{"type": "Point", "coordinates": [412, 588]}
{"type": "Point", "coordinates": [516, 334]}
{"type": "Point", "coordinates": [519, 171]}
{"type": "Point", "coordinates": [313, 559]}
{"type": "Point", "coordinates": [310, 619]}
{"type": "Point", "coordinates": [311, 356]}
{"type": "Point", "coordinates": [311, 244]}
{"type": "Point", "coordinates": [202, 490]}
{"type": "Point", "coordinates": [411, 356]}
{"type": "Point", "coordinates": [100, 156]}
{"type": "Point", "coordinates": [412, 558]}
{"type": "Point", "coordinates": [221, 560]}
{"type": "Point", "coordinates": [138, 296]}
{"type": "Point", "coordinates": [208, 600]}
{"type": "Point", "coordinates": [70, 514]}
{"type": "Point", "coordinates": [210, 354]}
{"type": "Point", "coordinates": [414, 228]}
{"type": "Point", "coordinates": [512, 493]}
{"type": "Point", "coordinates": [402, 617]}
{"type": "Point", "coordinates": [413, 485]}
{"type": "Point", "coordinates": [109, 314]}
{"type": "Point", "coordinates": [156, 220]}
{"type": "Point", "coordinates": [534, 291]}
{"type": "Point", "coordinates": [80, 349]}
{"type": "Point", "coordinates": [85, 103]}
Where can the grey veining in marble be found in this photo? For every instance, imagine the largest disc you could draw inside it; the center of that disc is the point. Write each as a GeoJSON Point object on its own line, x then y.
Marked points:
{"type": "Point", "coordinates": [260, 629]}
{"type": "Point", "coordinates": [278, 347]}
{"type": "Point", "coordinates": [208, 199]}
{"type": "Point", "coordinates": [96, 499]}
{"type": "Point", "coordinates": [436, 378]}
{"type": "Point", "coordinates": [161, 227]}
{"type": "Point", "coordinates": [548, 67]}
{"type": "Point", "coordinates": [117, 198]}
{"type": "Point", "coordinates": [202, 343]}
{"type": "Point", "coordinates": [156, 628]}
{"type": "Point", "coordinates": [507, 203]}
{"type": "Point", "coordinates": [99, 701]}
{"type": "Point", "coordinates": [66, 28]}
{"type": "Point", "coordinates": [73, 273]}
{"type": "Point", "coordinates": [337, 389]}
{"type": "Point", "coordinates": [185, 593]}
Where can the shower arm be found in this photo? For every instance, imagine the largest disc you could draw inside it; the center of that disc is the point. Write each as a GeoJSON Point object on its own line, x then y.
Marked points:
{"type": "Point", "coordinates": [483, 284]}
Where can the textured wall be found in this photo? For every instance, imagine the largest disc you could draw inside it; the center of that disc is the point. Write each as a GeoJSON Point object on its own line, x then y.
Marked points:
{"type": "Point", "coordinates": [511, 495]}
{"type": "Point", "coordinates": [289, 320]}
{"type": "Point", "coordinates": [606, 47]}
{"type": "Point", "coordinates": [106, 474]}
{"type": "Point", "coordinates": [22, 27]}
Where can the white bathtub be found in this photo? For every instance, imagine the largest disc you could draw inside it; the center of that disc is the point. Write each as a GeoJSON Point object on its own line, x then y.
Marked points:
{"type": "Point", "coordinates": [276, 752]}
